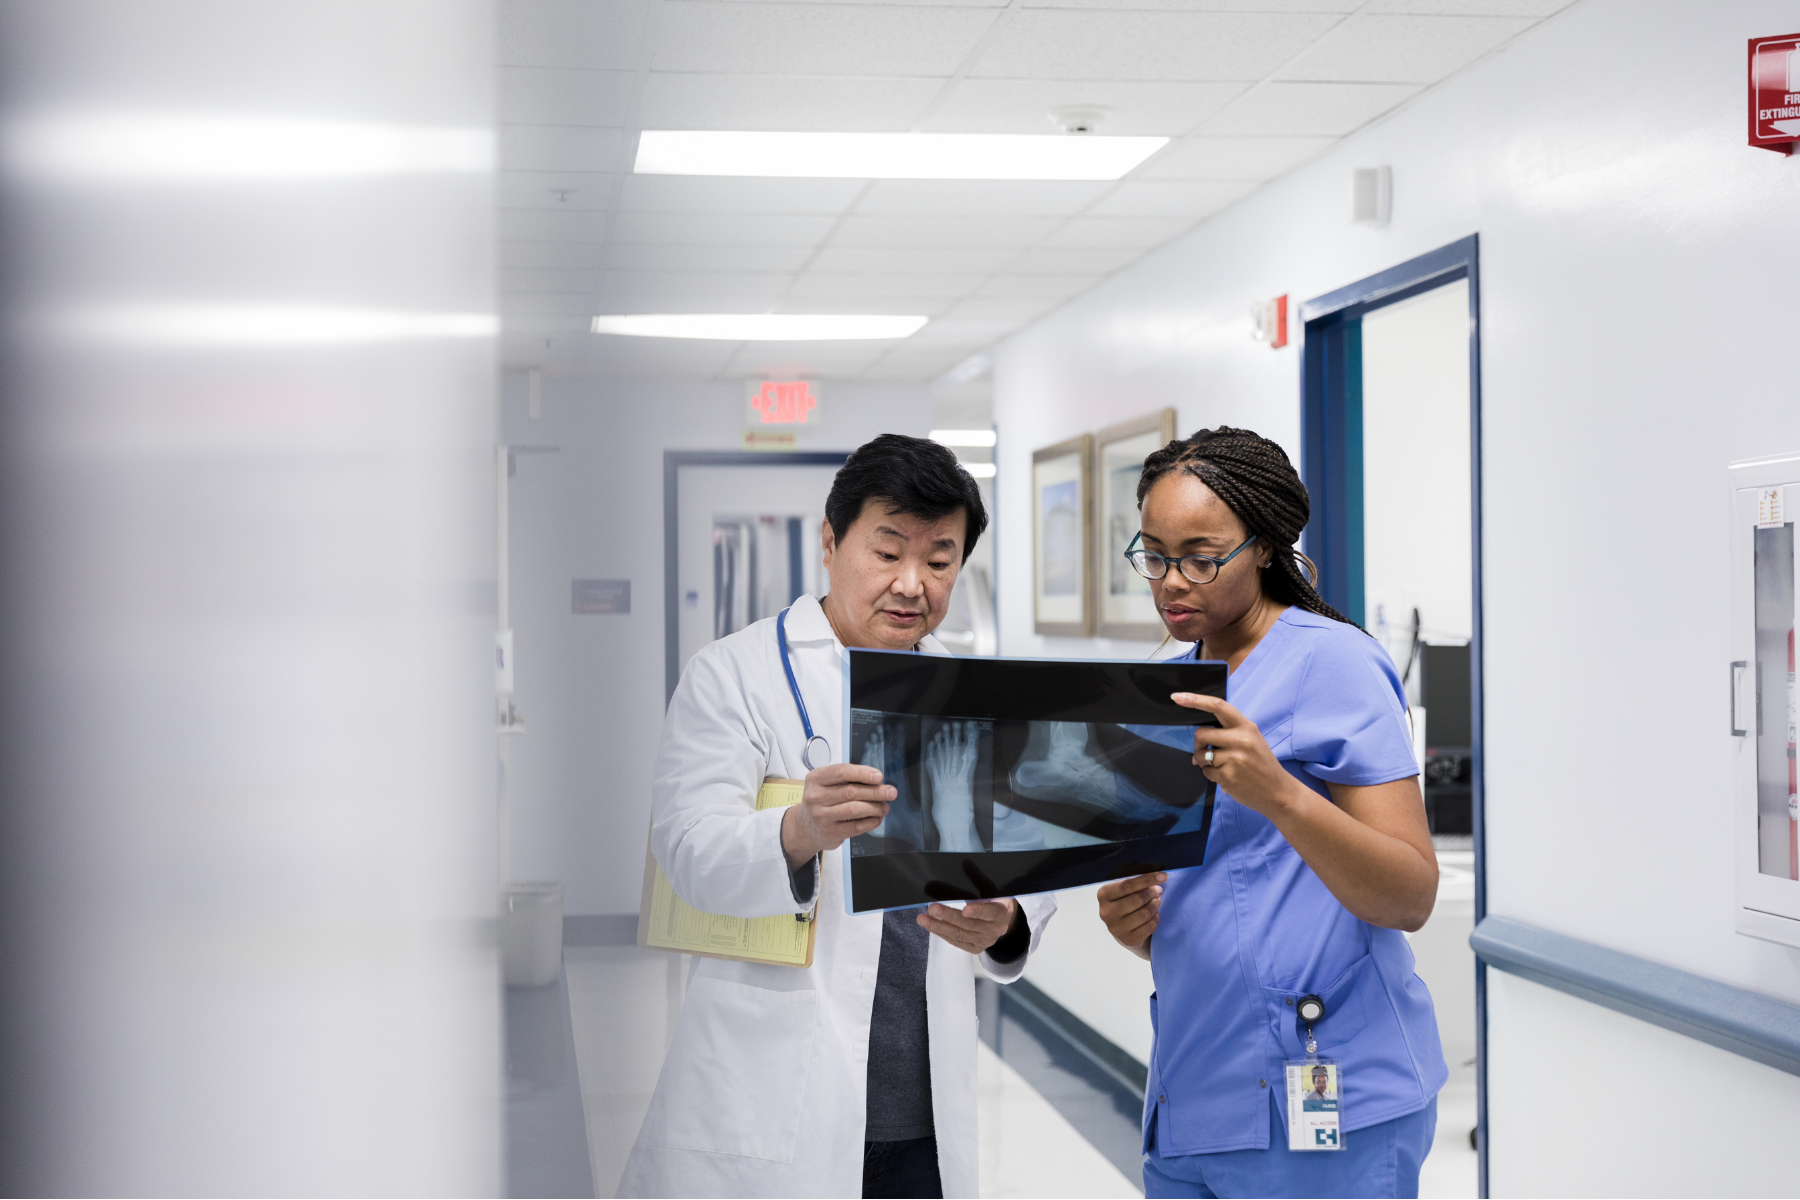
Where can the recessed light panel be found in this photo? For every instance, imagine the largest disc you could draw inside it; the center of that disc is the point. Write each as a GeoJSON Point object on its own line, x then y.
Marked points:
{"type": "Point", "coordinates": [891, 155]}
{"type": "Point", "coordinates": [761, 327]}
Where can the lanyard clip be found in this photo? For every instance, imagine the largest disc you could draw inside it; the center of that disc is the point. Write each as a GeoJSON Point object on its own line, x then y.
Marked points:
{"type": "Point", "coordinates": [1309, 1009]}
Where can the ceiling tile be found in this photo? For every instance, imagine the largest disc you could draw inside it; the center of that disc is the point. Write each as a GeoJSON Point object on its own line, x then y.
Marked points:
{"type": "Point", "coordinates": [1238, 6]}
{"type": "Point", "coordinates": [738, 292]}
{"type": "Point", "coordinates": [1112, 231]}
{"type": "Point", "coordinates": [1169, 199]}
{"type": "Point", "coordinates": [812, 39]}
{"type": "Point", "coordinates": [783, 102]}
{"type": "Point", "coordinates": [715, 194]}
{"type": "Point", "coordinates": [815, 359]}
{"type": "Point", "coordinates": [970, 332]}
{"type": "Point", "coordinates": [560, 148]}
{"type": "Point", "coordinates": [1402, 49]}
{"type": "Point", "coordinates": [1472, 8]}
{"type": "Point", "coordinates": [722, 229]}
{"type": "Point", "coordinates": [559, 191]}
{"type": "Point", "coordinates": [1083, 261]}
{"type": "Point", "coordinates": [1309, 109]}
{"type": "Point", "coordinates": [912, 260]}
{"type": "Point", "coordinates": [551, 225]}
{"type": "Point", "coordinates": [977, 198]}
{"type": "Point", "coordinates": [913, 364]}
{"type": "Point", "coordinates": [1016, 308]}
{"type": "Point", "coordinates": [1072, 44]}
{"type": "Point", "coordinates": [906, 306]}
{"type": "Point", "coordinates": [570, 33]}
{"type": "Point", "coordinates": [1023, 105]}
{"type": "Point", "coordinates": [554, 96]}
{"type": "Point", "coordinates": [1231, 158]}
{"type": "Point", "coordinates": [708, 258]}
{"type": "Point", "coordinates": [943, 231]}
{"type": "Point", "coordinates": [661, 358]}
{"type": "Point", "coordinates": [937, 289]}
{"type": "Point", "coordinates": [572, 256]}
{"type": "Point", "coordinates": [1037, 286]}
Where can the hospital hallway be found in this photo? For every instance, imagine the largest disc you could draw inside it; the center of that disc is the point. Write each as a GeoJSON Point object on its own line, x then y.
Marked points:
{"type": "Point", "coordinates": [1004, 598]}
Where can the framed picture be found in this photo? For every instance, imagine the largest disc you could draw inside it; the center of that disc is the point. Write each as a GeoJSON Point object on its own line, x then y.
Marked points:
{"type": "Point", "coordinates": [1122, 607]}
{"type": "Point", "coordinates": [1061, 538]}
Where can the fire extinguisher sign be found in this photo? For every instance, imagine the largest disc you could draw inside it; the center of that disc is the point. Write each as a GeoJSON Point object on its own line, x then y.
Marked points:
{"type": "Point", "coordinates": [1775, 92]}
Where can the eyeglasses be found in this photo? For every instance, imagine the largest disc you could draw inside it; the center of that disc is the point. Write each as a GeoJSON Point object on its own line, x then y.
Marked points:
{"type": "Point", "coordinates": [1200, 568]}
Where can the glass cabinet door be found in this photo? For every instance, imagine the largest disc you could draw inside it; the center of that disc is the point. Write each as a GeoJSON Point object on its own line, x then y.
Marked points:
{"type": "Point", "coordinates": [1777, 809]}
{"type": "Point", "coordinates": [1765, 701]}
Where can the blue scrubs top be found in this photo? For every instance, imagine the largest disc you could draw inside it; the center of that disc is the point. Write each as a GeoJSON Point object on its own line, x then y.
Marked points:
{"type": "Point", "coordinates": [1253, 930]}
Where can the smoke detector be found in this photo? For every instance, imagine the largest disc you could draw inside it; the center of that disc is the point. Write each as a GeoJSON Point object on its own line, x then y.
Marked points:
{"type": "Point", "coordinates": [1079, 118]}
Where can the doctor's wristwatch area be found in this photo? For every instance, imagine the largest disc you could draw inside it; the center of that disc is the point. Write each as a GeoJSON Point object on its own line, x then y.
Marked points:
{"type": "Point", "coordinates": [1765, 701]}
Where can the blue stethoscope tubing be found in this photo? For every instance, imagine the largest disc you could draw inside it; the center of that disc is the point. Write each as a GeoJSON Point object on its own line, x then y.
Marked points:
{"type": "Point", "coordinates": [787, 665]}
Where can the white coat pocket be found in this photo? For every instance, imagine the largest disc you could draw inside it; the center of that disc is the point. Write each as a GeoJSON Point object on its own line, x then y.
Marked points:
{"type": "Point", "coordinates": [736, 1077]}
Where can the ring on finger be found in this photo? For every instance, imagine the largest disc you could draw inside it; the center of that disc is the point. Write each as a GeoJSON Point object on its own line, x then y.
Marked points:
{"type": "Point", "coordinates": [1209, 756]}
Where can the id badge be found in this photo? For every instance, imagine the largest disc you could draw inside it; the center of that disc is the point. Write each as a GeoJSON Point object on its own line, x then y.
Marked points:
{"type": "Point", "coordinates": [1313, 1088]}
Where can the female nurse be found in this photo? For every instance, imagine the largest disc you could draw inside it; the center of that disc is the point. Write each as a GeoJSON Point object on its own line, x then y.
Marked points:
{"type": "Point", "coordinates": [1319, 856]}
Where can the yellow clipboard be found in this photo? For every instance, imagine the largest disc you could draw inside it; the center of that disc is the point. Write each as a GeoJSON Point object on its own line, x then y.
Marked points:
{"type": "Point", "coordinates": [667, 922]}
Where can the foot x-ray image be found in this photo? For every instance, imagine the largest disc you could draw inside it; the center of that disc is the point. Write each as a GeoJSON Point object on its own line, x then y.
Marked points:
{"type": "Point", "coordinates": [1023, 775]}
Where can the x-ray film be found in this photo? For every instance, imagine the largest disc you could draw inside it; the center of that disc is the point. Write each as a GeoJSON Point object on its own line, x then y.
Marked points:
{"type": "Point", "coordinates": [1023, 775]}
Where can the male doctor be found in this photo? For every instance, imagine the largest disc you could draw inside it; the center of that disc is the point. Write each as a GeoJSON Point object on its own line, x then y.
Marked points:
{"type": "Point", "coordinates": [856, 1076]}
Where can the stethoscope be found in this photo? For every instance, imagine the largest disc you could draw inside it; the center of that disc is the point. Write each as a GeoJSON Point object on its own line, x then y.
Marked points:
{"type": "Point", "coordinates": [787, 665]}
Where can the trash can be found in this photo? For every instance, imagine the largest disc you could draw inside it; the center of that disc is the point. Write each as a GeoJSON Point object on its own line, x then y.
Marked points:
{"type": "Point", "coordinates": [531, 929]}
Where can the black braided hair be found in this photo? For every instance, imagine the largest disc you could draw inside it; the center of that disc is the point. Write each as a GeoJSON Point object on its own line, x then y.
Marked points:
{"type": "Point", "coordinates": [1253, 476]}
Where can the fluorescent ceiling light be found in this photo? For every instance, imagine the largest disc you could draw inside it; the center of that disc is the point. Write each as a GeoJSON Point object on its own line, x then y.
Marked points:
{"type": "Point", "coordinates": [255, 325]}
{"type": "Point", "coordinates": [963, 437]}
{"type": "Point", "coordinates": [101, 147]}
{"type": "Point", "coordinates": [980, 470]}
{"type": "Point", "coordinates": [891, 155]}
{"type": "Point", "coordinates": [760, 327]}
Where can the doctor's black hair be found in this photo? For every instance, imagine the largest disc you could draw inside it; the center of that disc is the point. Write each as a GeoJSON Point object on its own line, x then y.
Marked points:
{"type": "Point", "coordinates": [916, 477]}
{"type": "Point", "coordinates": [1255, 479]}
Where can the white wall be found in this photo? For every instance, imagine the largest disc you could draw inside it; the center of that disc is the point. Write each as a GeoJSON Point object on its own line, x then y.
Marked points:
{"type": "Point", "coordinates": [1638, 267]}
{"type": "Point", "coordinates": [1585, 1101]}
{"type": "Point", "coordinates": [591, 687]}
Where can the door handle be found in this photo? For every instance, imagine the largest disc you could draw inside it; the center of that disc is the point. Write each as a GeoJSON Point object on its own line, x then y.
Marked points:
{"type": "Point", "coordinates": [1740, 665]}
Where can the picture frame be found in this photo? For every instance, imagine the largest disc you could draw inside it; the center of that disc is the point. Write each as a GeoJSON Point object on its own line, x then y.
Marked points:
{"type": "Point", "coordinates": [1121, 597]}
{"type": "Point", "coordinates": [1062, 538]}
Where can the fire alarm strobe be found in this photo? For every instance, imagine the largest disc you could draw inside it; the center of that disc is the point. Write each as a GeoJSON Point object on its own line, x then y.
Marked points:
{"type": "Point", "coordinates": [1775, 92]}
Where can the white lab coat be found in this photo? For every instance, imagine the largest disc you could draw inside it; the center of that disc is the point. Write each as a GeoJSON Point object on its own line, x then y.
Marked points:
{"type": "Point", "coordinates": [763, 1090]}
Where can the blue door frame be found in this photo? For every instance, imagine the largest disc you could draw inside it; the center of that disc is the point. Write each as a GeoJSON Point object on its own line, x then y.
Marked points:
{"type": "Point", "coordinates": [1331, 463]}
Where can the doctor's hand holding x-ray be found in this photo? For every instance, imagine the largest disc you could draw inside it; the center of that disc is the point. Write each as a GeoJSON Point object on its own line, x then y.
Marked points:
{"type": "Point", "coordinates": [891, 580]}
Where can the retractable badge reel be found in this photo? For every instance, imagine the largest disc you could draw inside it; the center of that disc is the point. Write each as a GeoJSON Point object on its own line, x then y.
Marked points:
{"type": "Point", "coordinates": [1314, 1086]}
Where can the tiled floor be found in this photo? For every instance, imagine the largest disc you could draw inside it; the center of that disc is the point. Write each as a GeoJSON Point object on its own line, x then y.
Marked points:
{"type": "Point", "coordinates": [1029, 1149]}
{"type": "Point", "coordinates": [622, 1004]}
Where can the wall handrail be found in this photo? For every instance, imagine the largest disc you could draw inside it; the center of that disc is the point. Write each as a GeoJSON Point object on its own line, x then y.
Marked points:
{"type": "Point", "coordinates": [1748, 1023]}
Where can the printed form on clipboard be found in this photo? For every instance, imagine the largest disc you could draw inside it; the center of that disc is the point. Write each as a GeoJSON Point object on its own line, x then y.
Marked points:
{"type": "Point", "coordinates": [667, 922]}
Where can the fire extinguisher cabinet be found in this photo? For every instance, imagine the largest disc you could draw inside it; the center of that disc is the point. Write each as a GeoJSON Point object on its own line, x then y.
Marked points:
{"type": "Point", "coordinates": [1765, 504]}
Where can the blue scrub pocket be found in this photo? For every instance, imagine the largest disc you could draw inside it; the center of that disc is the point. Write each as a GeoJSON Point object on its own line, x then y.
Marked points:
{"type": "Point", "coordinates": [1346, 1009]}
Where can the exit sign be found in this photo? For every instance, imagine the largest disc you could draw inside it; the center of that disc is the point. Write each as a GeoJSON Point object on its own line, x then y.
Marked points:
{"type": "Point", "coordinates": [1775, 92]}
{"type": "Point", "coordinates": [774, 402]}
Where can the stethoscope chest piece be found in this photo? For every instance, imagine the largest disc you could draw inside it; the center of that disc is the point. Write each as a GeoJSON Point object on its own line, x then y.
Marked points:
{"type": "Point", "coordinates": [816, 744]}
